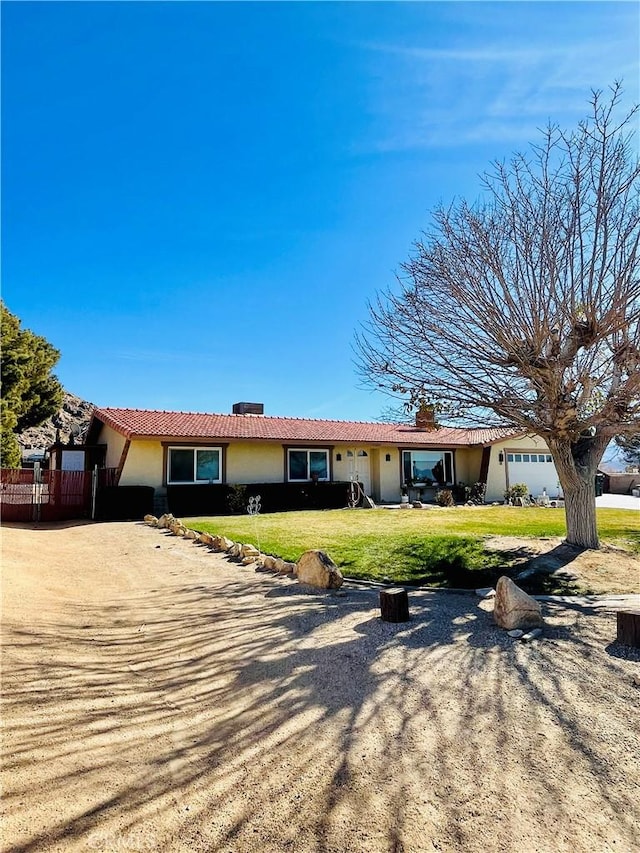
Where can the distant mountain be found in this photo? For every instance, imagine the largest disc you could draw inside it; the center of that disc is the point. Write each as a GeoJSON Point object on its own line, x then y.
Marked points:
{"type": "Point", "coordinates": [72, 418]}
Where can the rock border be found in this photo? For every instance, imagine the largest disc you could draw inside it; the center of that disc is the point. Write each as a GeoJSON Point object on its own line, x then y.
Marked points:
{"type": "Point", "coordinates": [246, 554]}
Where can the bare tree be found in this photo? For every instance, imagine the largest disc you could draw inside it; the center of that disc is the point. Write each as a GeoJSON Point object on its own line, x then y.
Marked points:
{"type": "Point", "coordinates": [524, 310]}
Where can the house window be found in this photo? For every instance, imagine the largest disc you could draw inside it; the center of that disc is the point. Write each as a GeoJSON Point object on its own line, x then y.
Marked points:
{"type": "Point", "coordinates": [428, 466]}
{"type": "Point", "coordinates": [529, 457]}
{"type": "Point", "coordinates": [303, 465]}
{"type": "Point", "coordinates": [193, 465]}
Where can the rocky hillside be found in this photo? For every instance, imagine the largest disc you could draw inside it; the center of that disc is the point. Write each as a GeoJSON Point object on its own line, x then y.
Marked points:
{"type": "Point", "coordinates": [73, 416]}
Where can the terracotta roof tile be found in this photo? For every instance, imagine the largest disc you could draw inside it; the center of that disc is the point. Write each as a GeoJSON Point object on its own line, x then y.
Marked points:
{"type": "Point", "coordinates": [143, 423]}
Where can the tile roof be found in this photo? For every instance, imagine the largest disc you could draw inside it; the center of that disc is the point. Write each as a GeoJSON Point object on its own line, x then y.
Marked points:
{"type": "Point", "coordinates": [143, 423]}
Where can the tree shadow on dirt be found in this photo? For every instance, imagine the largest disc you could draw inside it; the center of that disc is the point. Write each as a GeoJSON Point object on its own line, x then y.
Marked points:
{"type": "Point", "coordinates": [254, 713]}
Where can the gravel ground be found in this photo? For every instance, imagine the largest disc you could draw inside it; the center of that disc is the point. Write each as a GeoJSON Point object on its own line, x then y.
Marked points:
{"type": "Point", "coordinates": [158, 698]}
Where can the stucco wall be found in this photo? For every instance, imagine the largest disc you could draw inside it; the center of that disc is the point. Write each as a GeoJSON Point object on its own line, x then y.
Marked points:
{"type": "Point", "coordinates": [144, 464]}
{"type": "Point", "coordinates": [621, 484]}
{"type": "Point", "coordinates": [467, 463]}
{"type": "Point", "coordinates": [255, 463]}
{"type": "Point", "coordinates": [264, 463]}
{"type": "Point", "coordinates": [497, 476]}
{"type": "Point", "coordinates": [381, 477]}
{"type": "Point", "coordinates": [115, 443]}
{"type": "Point", "coordinates": [389, 475]}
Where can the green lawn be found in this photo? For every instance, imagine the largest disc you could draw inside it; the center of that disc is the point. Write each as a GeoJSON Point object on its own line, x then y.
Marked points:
{"type": "Point", "coordinates": [439, 547]}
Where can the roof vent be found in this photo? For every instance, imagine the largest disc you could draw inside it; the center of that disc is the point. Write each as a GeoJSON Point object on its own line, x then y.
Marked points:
{"type": "Point", "coordinates": [426, 418]}
{"type": "Point", "coordinates": [248, 409]}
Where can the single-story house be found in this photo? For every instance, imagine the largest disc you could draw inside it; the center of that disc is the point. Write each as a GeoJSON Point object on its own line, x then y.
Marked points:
{"type": "Point", "coordinates": [179, 450]}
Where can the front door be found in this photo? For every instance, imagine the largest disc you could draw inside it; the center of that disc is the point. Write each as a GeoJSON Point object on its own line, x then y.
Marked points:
{"type": "Point", "coordinates": [360, 469]}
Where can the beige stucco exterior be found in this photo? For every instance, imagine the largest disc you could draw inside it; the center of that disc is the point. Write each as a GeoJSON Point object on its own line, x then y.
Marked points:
{"type": "Point", "coordinates": [264, 462]}
{"type": "Point", "coordinates": [115, 444]}
{"type": "Point", "coordinates": [255, 463]}
{"type": "Point", "coordinates": [497, 477]}
{"type": "Point", "coordinates": [143, 466]}
{"type": "Point", "coordinates": [467, 464]}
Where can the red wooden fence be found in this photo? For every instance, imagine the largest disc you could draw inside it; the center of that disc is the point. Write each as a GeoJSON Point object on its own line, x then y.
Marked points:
{"type": "Point", "coordinates": [28, 494]}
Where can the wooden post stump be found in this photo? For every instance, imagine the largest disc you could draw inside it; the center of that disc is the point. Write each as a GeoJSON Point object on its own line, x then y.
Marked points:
{"type": "Point", "coordinates": [629, 627]}
{"type": "Point", "coordinates": [394, 605]}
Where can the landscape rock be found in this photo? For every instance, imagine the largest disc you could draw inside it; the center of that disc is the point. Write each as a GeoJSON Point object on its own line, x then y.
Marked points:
{"type": "Point", "coordinates": [531, 635]}
{"type": "Point", "coordinates": [151, 520]}
{"type": "Point", "coordinates": [513, 608]}
{"type": "Point", "coordinates": [248, 561]}
{"type": "Point", "coordinates": [250, 551]}
{"type": "Point", "coordinates": [269, 563]}
{"type": "Point", "coordinates": [486, 592]}
{"type": "Point", "coordinates": [235, 550]}
{"type": "Point", "coordinates": [165, 520]}
{"type": "Point", "coordinates": [318, 569]}
{"type": "Point", "coordinates": [205, 539]}
{"type": "Point", "coordinates": [191, 534]}
{"type": "Point", "coordinates": [221, 543]}
{"type": "Point", "coordinates": [516, 633]}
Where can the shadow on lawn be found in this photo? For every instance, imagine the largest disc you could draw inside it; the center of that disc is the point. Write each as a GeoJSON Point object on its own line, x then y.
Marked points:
{"type": "Point", "coordinates": [464, 563]}
{"type": "Point", "coordinates": [176, 711]}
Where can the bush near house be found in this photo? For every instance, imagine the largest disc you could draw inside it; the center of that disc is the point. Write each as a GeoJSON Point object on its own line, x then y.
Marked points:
{"type": "Point", "coordinates": [274, 497]}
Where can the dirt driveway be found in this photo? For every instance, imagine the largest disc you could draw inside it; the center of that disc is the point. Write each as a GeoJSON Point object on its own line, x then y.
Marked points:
{"type": "Point", "coordinates": [158, 698]}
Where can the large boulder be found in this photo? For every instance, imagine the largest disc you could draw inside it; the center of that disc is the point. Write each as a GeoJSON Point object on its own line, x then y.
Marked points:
{"type": "Point", "coordinates": [513, 608]}
{"type": "Point", "coordinates": [318, 569]}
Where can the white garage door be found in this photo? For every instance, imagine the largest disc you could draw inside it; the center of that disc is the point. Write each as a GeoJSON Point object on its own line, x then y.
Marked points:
{"type": "Point", "coordinates": [535, 469]}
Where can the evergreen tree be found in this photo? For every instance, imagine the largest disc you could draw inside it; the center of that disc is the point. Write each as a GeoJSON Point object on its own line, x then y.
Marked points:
{"type": "Point", "coordinates": [30, 392]}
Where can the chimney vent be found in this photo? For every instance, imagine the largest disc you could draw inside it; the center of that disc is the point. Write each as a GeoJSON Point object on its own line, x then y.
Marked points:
{"type": "Point", "coordinates": [248, 409]}
{"type": "Point", "coordinates": [426, 418]}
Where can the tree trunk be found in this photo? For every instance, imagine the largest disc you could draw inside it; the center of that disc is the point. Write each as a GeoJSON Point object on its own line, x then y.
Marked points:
{"type": "Point", "coordinates": [580, 511]}
{"type": "Point", "coordinates": [576, 464]}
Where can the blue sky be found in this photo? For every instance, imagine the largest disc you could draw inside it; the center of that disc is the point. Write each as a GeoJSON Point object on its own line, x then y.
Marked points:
{"type": "Point", "coordinates": [199, 198]}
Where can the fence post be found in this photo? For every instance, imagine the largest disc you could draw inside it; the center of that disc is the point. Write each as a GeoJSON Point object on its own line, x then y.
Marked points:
{"type": "Point", "coordinates": [94, 492]}
{"type": "Point", "coordinates": [36, 491]}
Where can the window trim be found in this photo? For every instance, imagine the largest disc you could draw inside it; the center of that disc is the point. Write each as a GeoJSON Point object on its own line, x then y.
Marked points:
{"type": "Point", "coordinates": [510, 457]}
{"type": "Point", "coordinates": [328, 452]}
{"type": "Point", "coordinates": [441, 451]}
{"type": "Point", "coordinates": [193, 447]}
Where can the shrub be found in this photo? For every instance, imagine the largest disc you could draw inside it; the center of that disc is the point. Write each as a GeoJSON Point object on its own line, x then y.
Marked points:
{"type": "Point", "coordinates": [444, 498]}
{"type": "Point", "coordinates": [518, 490]}
{"type": "Point", "coordinates": [477, 493]}
{"type": "Point", "coordinates": [461, 493]}
{"type": "Point", "coordinates": [237, 499]}
{"type": "Point", "coordinates": [464, 494]}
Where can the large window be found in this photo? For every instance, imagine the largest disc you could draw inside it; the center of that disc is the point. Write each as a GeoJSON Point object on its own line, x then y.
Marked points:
{"type": "Point", "coordinates": [307, 464]}
{"type": "Point", "coordinates": [193, 465]}
{"type": "Point", "coordinates": [428, 466]}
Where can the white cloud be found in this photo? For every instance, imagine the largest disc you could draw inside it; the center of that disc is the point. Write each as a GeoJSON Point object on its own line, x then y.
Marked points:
{"type": "Point", "coordinates": [424, 97]}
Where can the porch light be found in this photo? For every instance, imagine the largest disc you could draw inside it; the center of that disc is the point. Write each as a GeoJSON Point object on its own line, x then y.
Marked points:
{"type": "Point", "coordinates": [388, 457]}
{"type": "Point", "coordinates": [501, 457]}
